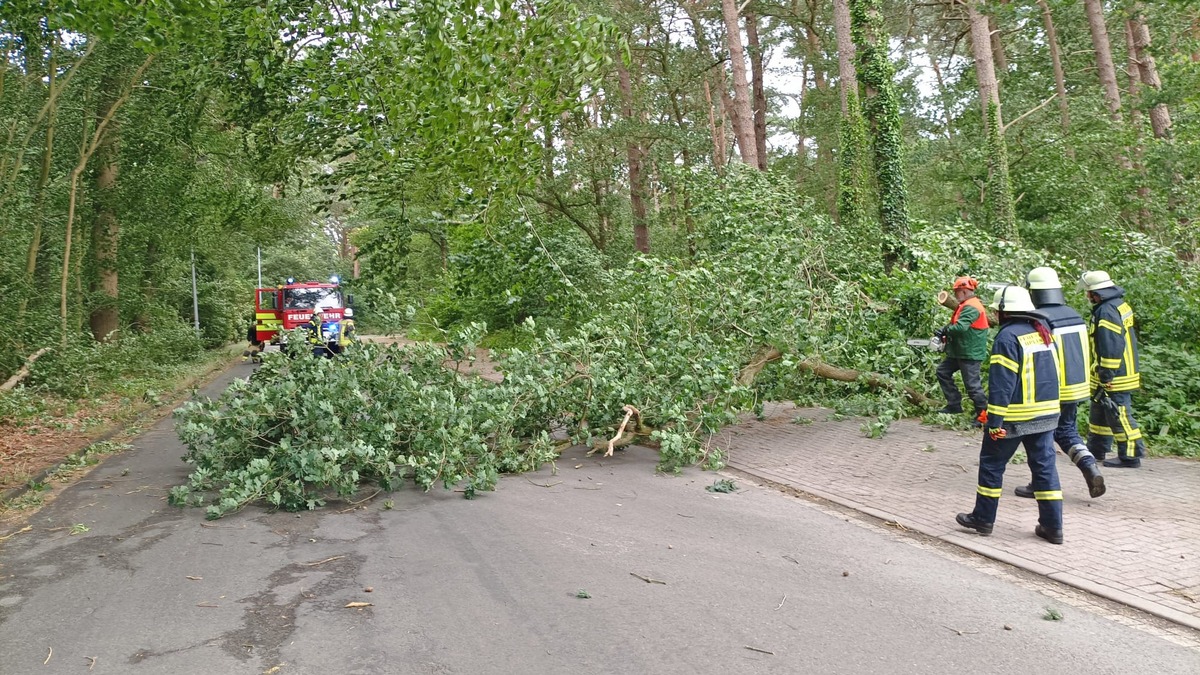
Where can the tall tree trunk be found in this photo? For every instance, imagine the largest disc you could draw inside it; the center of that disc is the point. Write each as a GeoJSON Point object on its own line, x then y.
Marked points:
{"type": "Point", "coordinates": [714, 80]}
{"type": "Point", "coordinates": [999, 186]}
{"type": "Point", "coordinates": [882, 110]}
{"type": "Point", "coordinates": [943, 97]}
{"type": "Point", "coordinates": [105, 316]}
{"type": "Point", "coordinates": [1060, 80]}
{"type": "Point", "coordinates": [637, 188]}
{"type": "Point", "coordinates": [847, 78]}
{"type": "Point", "coordinates": [39, 191]}
{"type": "Point", "coordinates": [88, 143]}
{"type": "Point", "coordinates": [1143, 217]}
{"type": "Point", "coordinates": [1160, 117]}
{"type": "Point", "coordinates": [743, 118]}
{"type": "Point", "coordinates": [999, 58]}
{"type": "Point", "coordinates": [760, 94]}
{"type": "Point", "coordinates": [1104, 59]}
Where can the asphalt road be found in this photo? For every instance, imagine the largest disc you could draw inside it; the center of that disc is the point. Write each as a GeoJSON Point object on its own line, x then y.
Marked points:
{"type": "Point", "coordinates": [752, 582]}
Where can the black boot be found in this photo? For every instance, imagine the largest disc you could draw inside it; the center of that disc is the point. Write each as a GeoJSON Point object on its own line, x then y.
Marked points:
{"type": "Point", "coordinates": [1052, 536]}
{"type": "Point", "coordinates": [1025, 491]}
{"type": "Point", "coordinates": [968, 521]}
{"type": "Point", "coordinates": [951, 410]}
{"type": "Point", "coordinates": [1118, 463]}
{"type": "Point", "coordinates": [1095, 481]}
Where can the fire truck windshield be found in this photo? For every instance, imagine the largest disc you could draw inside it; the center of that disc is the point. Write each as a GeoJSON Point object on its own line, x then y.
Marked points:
{"type": "Point", "coordinates": [311, 298]}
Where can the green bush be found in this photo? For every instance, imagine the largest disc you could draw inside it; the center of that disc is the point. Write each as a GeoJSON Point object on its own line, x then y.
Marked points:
{"type": "Point", "coordinates": [86, 367]}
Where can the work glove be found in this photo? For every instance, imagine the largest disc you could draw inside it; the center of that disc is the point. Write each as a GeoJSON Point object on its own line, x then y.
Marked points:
{"type": "Point", "coordinates": [982, 417]}
{"type": "Point", "coordinates": [997, 433]}
{"type": "Point", "coordinates": [1106, 378]}
{"type": "Point", "coordinates": [942, 332]}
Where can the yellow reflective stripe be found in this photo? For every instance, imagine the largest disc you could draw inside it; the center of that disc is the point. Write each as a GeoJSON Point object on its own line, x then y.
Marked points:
{"type": "Point", "coordinates": [1048, 495]}
{"type": "Point", "coordinates": [1028, 379]}
{"type": "Point", "coordinates": [1001, 360]}
{"type": "Point", "coordinates": [1074, 392]}
{"type": "Point", "coordinates": [1105, 323]}
{"type": "Point", "coordinates": [989, 492]}
{"type": "Point", "coordinates": [1111, 364]}
{"type": "Point", "coordinates": [1099, 430]}
{"type": "Point", "coordinates": [1023, 412]}
{"type": "Point", "coordinates": [1000, 410]}
{"type": "Point", "coordinates": [264, 315]}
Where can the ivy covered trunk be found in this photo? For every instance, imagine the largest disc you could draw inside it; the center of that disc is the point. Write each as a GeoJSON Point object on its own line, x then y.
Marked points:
{"type": "Point", "coordinates": [881, 106]}
{"type": "Point", "coordinates": [106, 230]}
{"type": "Point", "coordinates": [760, 94]}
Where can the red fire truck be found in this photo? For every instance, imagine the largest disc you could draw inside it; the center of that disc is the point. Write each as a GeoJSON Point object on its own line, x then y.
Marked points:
{"type": "Point", "coordinates": [291, 305]}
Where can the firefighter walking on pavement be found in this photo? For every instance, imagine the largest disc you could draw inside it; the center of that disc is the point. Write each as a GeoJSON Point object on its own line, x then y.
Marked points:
{"type": "Point", "coordinates": [1116, 375]}
{"type": "Point", "coordinates": [1070, 334]}
{"type": "Point", "coordinates": [966, 348]}
{"type": "Point", "coordinates": [1023, 409]}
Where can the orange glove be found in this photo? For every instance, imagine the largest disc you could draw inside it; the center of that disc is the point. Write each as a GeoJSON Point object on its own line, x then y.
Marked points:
{"type": "Point", "coordinates": [982, 418]}
{"type": "Point", "coordinates": [997, 433]}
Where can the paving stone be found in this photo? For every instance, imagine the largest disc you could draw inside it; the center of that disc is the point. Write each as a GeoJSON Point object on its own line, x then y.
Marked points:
{"type": "Point", "coordinates": [1141, 540]}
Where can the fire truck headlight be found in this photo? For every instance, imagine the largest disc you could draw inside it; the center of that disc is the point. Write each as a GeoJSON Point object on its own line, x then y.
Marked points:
{"type": "Point", "coordinates": [291, 280]}
{"type": "Point", "coordinates": [333, 279]}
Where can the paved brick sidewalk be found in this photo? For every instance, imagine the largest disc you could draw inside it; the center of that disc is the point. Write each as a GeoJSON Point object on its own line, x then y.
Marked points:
{"type": "Point", "coordinates": [1139, 544]}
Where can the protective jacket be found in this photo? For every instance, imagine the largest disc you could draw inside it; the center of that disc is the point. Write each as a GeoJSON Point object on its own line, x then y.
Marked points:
{"type": "Point", "coordinates": [968, 332]}
{"type": "Point", "coordinates": [1023, 381]}
{"type": "Point", "coordinates": [345, 332]}
{"type": "Point", "coordinates": [1074, 351]}
{"type": "Point", "coordinates": [1115, 341]}
{"type": "Point", "coordinates": [316, 335]}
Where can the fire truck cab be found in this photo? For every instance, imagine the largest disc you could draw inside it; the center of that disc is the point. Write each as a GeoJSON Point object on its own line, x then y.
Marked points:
{"type": "Point", "coordinates": [291, 305]}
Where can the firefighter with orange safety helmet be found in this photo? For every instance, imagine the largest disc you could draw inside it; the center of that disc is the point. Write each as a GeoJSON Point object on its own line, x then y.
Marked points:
{"type": "Point", "coordinates": [965, 338]}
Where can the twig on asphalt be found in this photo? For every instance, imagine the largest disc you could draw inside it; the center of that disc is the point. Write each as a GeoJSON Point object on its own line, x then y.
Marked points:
{"type": "Point", "coordinates": [579, 487]}
{"type": "Point", "coordinates": [222, 527]}
{"type": "Point", "coordinates": [960, 632]}
{"type": "Point", "coordinates": [760, 651]}
{"type": "Point", "coordinates": [545, 485]}
{"type": "Point", "coordinates": [781, 602]}
{"type": "Point", "coordinates": [788, 557]}
{"type": "Point", "coordinates": [648, 579]}
{"type": "Point", "coordinates": [48, 655]}
{"type": "Point", "coordinates": [93, 663]}
{"type": "Point", "coordinates": [20, 531]}
{"type": "Point", "coordinates": [684, 515]}
{"type": "Point", "coordinates": [322, 562]}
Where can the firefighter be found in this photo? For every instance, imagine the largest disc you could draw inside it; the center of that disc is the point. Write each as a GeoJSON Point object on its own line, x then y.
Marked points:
{"type": "Point", "coordinates": [966, 348]}
{"type": "Point", "coordinates": [254, 346]}
{"type": "Point", "coordinates": [1116, 375]}
{"type": "Point", "coordinates": [1023, 390]}
{"type": "Point", "coordinates": [345, 332]}
{"type": "Point", "coordinates": [1074, 353]}
{"type": "Point", "coordinates": [316, 334]}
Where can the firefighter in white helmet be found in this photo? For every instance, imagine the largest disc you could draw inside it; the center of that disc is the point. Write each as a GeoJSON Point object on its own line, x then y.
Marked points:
{"type": "Point", "coordinates": [1074, 350]}
{"type": "Point", "coordinates": [1022, 405]}
{"type": "Point", "coordinates": [1116, 375]}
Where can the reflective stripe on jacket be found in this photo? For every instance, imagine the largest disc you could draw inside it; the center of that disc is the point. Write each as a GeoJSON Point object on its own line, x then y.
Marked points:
{"type": "Point", "coordinates": [1023, 382]}
{"type": "Point", "coordinates": [1074, 351]}
{"type": "Point", "coordinates": [345, 332]}
{"type": "Point", "coordinates": [1114, 339]}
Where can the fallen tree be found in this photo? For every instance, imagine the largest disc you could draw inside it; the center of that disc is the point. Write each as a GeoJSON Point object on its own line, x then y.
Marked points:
{"type": "Point", "coordinates": [23, 371]}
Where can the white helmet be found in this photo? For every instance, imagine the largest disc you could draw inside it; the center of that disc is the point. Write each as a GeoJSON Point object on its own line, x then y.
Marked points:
{"type": "Point", "coordinates": [1042, 279]}
{"type": "Point", "coordinates": [1012, 299]}
{"type": "Point", "coordinates": [349, 313]}
{"type": "Point", "coordinates": [1094, 281]}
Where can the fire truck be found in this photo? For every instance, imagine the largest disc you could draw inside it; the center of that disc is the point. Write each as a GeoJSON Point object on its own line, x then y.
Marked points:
{"type": "Point", "coordinates": [291, 305]}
